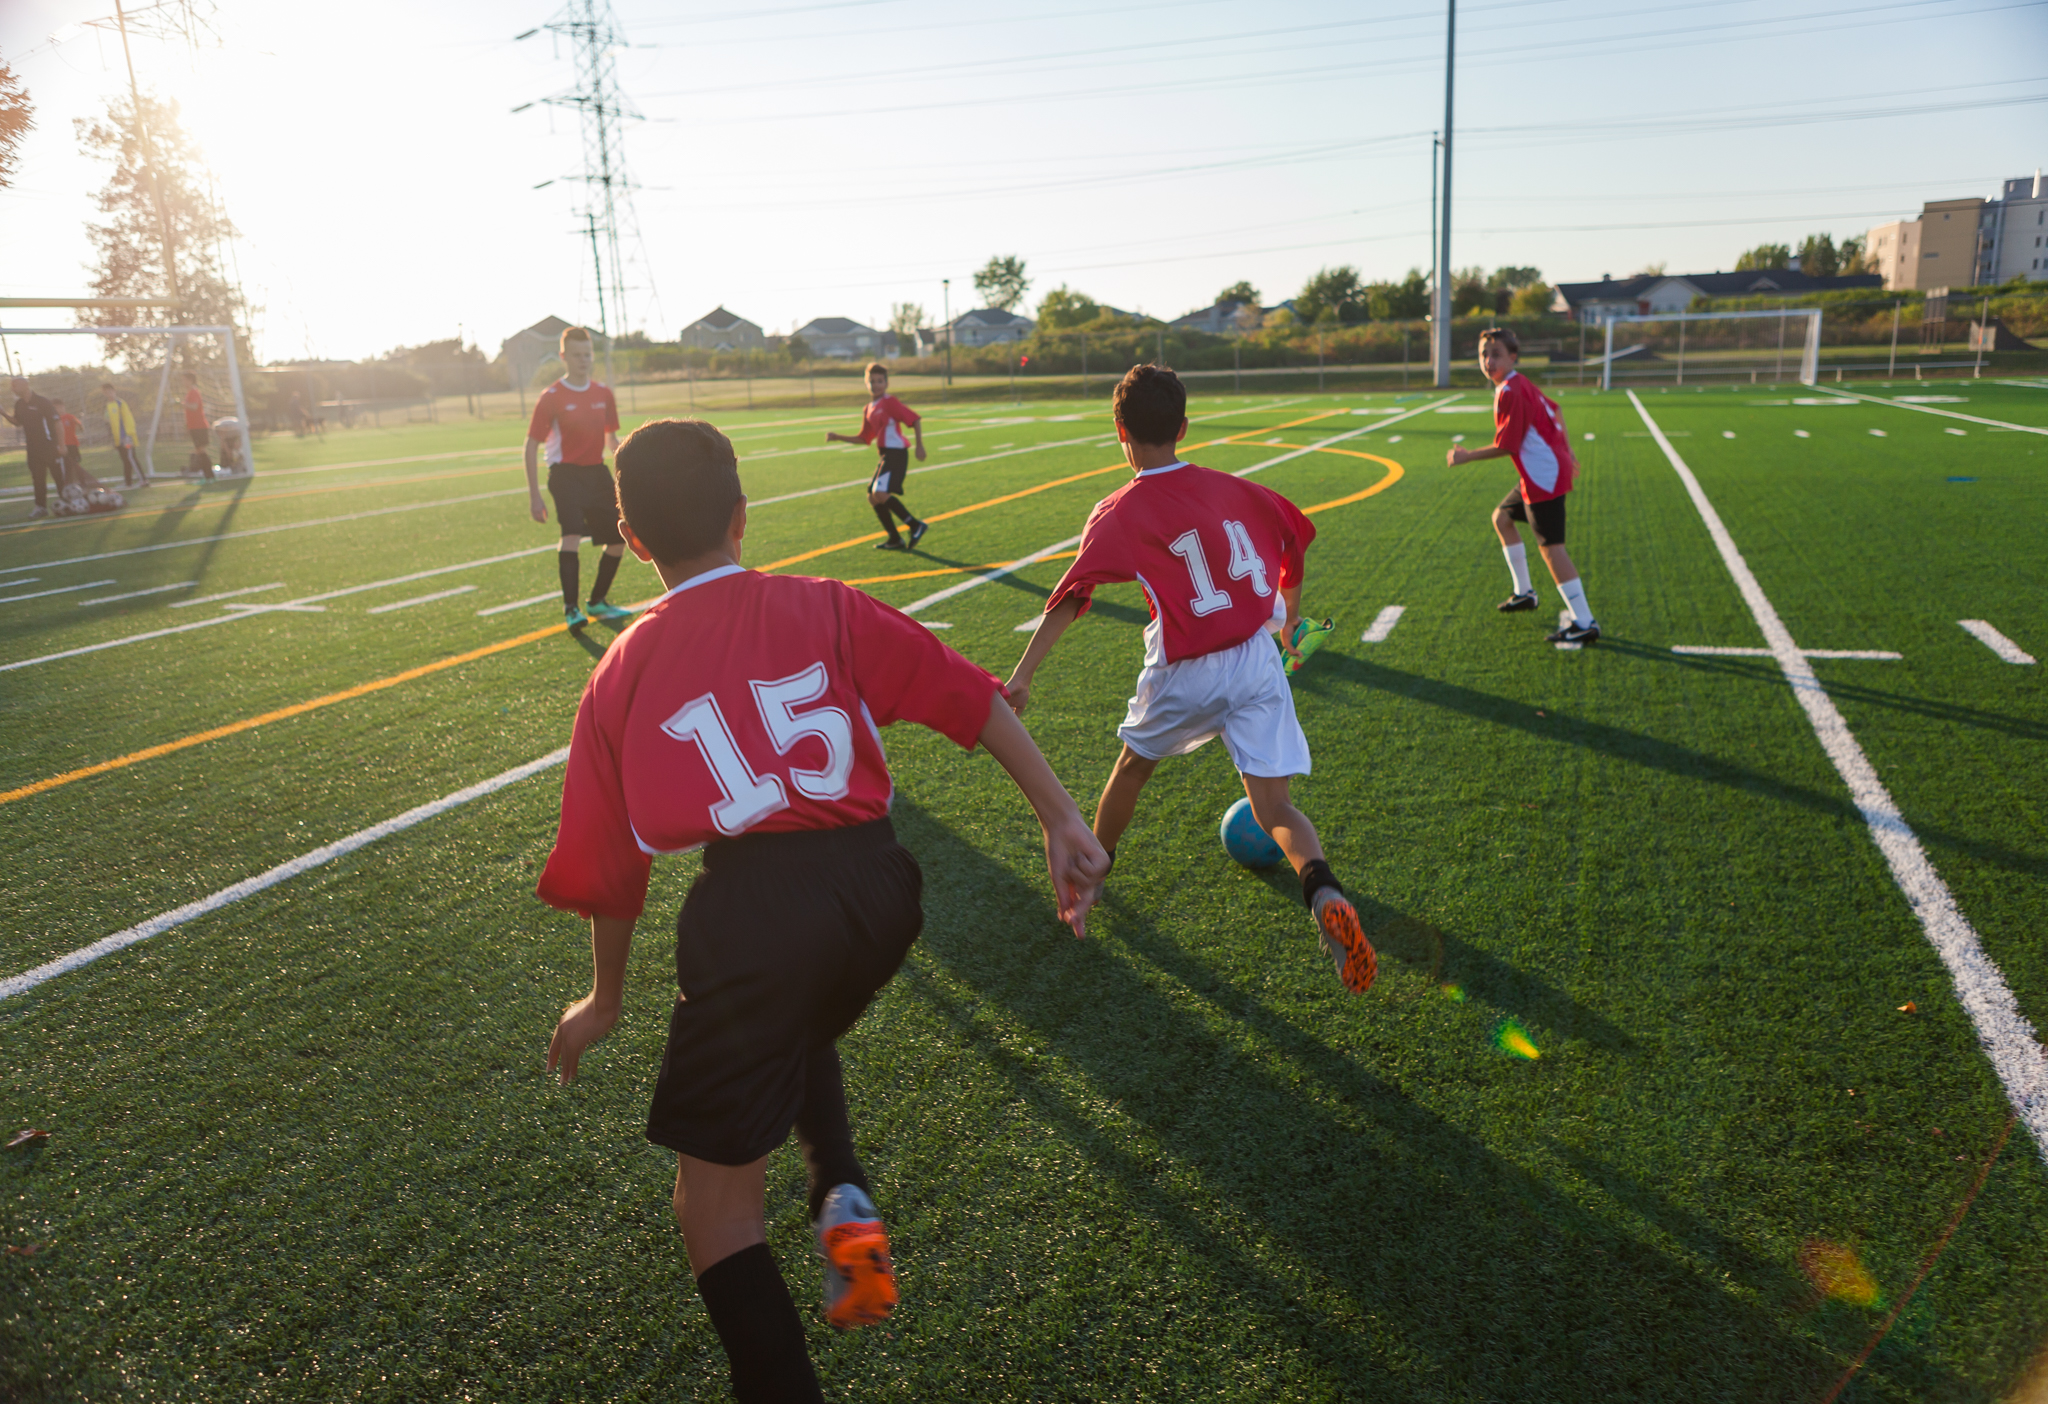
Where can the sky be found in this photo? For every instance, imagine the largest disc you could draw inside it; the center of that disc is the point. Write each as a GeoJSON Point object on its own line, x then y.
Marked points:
{"type": "Point", "coordinates": [797, 160]}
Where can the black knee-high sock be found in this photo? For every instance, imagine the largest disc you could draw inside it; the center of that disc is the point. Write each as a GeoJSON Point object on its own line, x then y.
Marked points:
{"type": "Point", "coordinates": [607, 567]}
{"type": "Point", "coordinates": [568, 565]}
{"type": "Point", "coordinates": [750, 1306]}
{"type": "Point", "coordinates": [896, 506]}
{"type": "Point", "coordinates": [1315, 876]}
{"type": "Point", "coordinates": [888, 522]}
{"type": "Point", "coordinates": [822, 1131]}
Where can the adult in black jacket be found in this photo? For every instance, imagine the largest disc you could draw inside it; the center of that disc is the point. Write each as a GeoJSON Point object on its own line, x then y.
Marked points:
{"type": "Point", "coordinates": [36, 417]}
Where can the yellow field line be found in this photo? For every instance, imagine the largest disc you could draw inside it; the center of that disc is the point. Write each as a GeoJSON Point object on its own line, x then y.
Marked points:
{"type": "Point", "coordinates": [440, 665]}
{"type": "Point", "coordinates": [1394, 475]}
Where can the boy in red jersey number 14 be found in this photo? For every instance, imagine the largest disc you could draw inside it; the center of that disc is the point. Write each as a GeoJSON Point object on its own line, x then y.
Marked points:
{"type": "Point", "coordinates": [1220, 560]}
{"type": "Point", "coordinates": [577, 420]}
{"type": "Point", "coordinates": [740, 715]}
{"type": "Point", "coordinates": [1528, 429]}
{"type": "Point", "coordinates": [882, 424]}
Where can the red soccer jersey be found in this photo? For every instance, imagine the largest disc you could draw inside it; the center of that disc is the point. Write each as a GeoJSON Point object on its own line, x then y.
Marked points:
{"type": "Point", "coordinates": [1526, 423]}
{"type": "Point", "coordinates": [195, 409]}
{"type": "Point", "coordinates": [743, 703]}
{"type": "Point", "coordinates": [573, 423]}
{"type": "Point", "coordinates": [883, 419]}
{"type": "Point", "coordinates": [1211, 551]}
{"type": "Point", "coordinates": [70, 423]}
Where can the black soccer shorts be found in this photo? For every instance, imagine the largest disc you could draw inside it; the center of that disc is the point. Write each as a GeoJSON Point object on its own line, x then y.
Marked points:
{"type": "Point", "coordinates": [782, 943]}
{"type": "Point", "coordinates": [586, 503]}
{"type": "Point", "coordinates": [890, 472]}
{"type": "Point", "coordinates": [1546, 516]}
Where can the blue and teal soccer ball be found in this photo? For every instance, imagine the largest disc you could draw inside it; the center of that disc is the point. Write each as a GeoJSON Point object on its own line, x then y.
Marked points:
{"type": "Point", "coordinates": [1245, 841]}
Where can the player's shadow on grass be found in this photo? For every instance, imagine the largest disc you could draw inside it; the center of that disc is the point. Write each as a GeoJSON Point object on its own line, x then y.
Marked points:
{"type": "Point", "coordinates": [1327, 1197]}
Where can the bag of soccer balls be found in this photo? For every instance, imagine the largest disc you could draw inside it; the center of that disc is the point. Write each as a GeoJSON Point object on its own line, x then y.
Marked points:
{"type": "Point", "coordinates": [75, 501]}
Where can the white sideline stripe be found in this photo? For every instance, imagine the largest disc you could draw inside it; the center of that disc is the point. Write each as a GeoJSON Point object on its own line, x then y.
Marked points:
{"type": "Point", "coordinates": [419, 600]}
{"type": "Point", "coordinates": [138, 594]}
{"type": "Point", "coordinates": [929, 624]}
{"type": "Point", "coordinates": [2002, 1031]}
{"type": "Point", "coordinates": [997, 574]}
{"type": "Point", "coordinates": [276, 608]}
{"type": "Point", "coordinates": [511, 605]}
{"type": "Point", "coordinates": [19, 580]}
{"type": "Point", "coordinates": [1383, 624]}
{"type": "Point", "coordinates": [1998, 643]}
{"type": "Point", "coordinates": [1946, 414]}
{"type": "Point", "coordinates": [60, 590]}
{"type": "Point", "coordinates": [229, 594]}
{"type": "Point", "coordinates": [424, 574]}
{"type": "Point", "coordinates": [1878, 653]}
{"type": "Point", "coordinates": [85, 955]}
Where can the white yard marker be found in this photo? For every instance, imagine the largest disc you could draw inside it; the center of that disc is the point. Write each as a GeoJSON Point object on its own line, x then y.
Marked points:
{"type": "Point", "coordinates": [228, 594]}
{"type": "Point", "coordinates": [1801, 434]}
{"type": "Point", "coordinates": [1393, 438]}
{"type": "Point", "coordinates": [1998, 643]}
{"type": "Point", "coordinates": [511, 605]}
{"type": "Point", "coordinates": [420, 600]}
{"type": "Point", "coordinates": [1383, 624]}
{"type": "Point", "coordinates": [248, 887]}
{"type": "Point", "coordinates": [933, 624]}
{"type": "Point", "coordinates": [1877, 434]}
{"type": "Point", "coordinates": [2002, 1031]}
{"type": "Point", "coordinates": [60, 590]}
{"type": "Point", "coordinates": [1589, 438]}
{"type": "Point", "coordinates": [1959, 433]}
{"type": "Point", "coordinates": [138, 594]}
{"type": "Point", "coordinates": [1727, 433]}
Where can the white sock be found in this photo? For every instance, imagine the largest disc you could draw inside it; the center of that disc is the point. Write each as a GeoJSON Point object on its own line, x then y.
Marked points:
{"type": "Point", "coordinates": [1575, 595]}
{"type": "Point", "coordinates": [1518, 566]}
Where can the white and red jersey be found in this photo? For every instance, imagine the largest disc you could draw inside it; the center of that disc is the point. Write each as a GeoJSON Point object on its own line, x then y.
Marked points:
{"type": "Point", "coordinates": [885, 419]}
{"type": "Point", "coordinates": [1212, 552]}
{"type": "Point", "coordinates": [573, 423]}
{"type": "Point", "coordinates": [1526, 423]}
{"type": "Point", "coordinates": [743, 703]}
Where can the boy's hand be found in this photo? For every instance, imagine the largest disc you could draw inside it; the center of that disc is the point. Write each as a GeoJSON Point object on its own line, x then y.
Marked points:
{"type": "Point", "coordinates": [1078, 865]}
{"type": "Point", "coordinates": [582, 1024]}
{"type": "Point", "coordinates": [1288, 631]}
{"type": "Point", "coordinates": [1455, 457]}
{"type": "Point", "coordinates": [1017, 692]}
{"type": "Point", "coordinates": [538, 508]}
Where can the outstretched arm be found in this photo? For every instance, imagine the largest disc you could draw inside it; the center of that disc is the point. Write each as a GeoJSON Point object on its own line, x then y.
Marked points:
{"type": "Point", "coordinates": [1465, 455]}
{"type": "Point", "coordinates": [1072, 855]}
{"type": "Point", "coordinates": [591, 1017]}
{"type": "Point", "coordinates": [1053, 623]}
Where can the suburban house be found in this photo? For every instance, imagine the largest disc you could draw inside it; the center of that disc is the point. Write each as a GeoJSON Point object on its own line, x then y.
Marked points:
{"type": "Point", "coordinates": [841, 338]}
{"type": "Point", "coordinates": [720, 330]}
{"type": "Point", "coordinates": [989, 325]}
{"type": "Point", "coordinates": [525, 352]}
{"type": "Point", "coordinates": [1217, 320]}
{"type": "Point", "coordinates": [1969, 242]}
{"type": "Point", "coordinates": [1650, 293]}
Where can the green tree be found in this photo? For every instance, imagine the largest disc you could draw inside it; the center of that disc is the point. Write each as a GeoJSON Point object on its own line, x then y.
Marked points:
{"type": "Point", "coordinates": [1239, 291]}
{"type": "Point", "coordinates": [1513, 279]}
{"type": "Point", "coordinates": [1066, 307]}
{"type": "Point", "coordinates": [904, 319]}
{"type": "Point", "coordinates": [1002, 282]}
{"type": "Point", "coordinates": [1764, 256]}
{"type": "Point", "coordinates": [796, 348]}
{"type": "Point", "coordinates": [1852, 251]}
{"type": "Point", "coordinates": [1532, 300]}
{"type": "Point", "coordinates": [1332, 295]}
{"type": "Point", "coordinates": [1469, 292]}
{"type": "Point", "coordinates": [17, 116]}
{"type": "Point", "coordinates": [1402, 301]}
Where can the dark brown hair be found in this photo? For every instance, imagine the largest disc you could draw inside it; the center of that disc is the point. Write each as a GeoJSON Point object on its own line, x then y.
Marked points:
{"type": "Point", "coordinates": [874, 366]}
{"type": "Point", "coordinates": [1504, 337]}
{"type": "Point", "coordinates": [1151, 402]}
{"type": "Point", "coordinates": [678, 480]}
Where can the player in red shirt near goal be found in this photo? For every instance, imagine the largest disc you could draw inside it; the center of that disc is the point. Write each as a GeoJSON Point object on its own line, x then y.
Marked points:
{"type": "Point", "coordinates": [1528, 429]}
{"type": "Point", "coordinates": [1221, 561]}
{"type": "Point", "coordinates": [199, 427]}
{"type": "Point", "coordinates": [740, 714]}
{"type": "Point", "coordinates": [577, 421]}
{"type": "Point", "coordinates": [882, 424]}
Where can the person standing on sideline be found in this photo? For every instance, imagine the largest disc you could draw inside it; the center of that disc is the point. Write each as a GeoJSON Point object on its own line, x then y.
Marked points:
{"type": "Point", "coordinates": [1528, 429]}
{"type": "Point", "coordinates": [881, 424]}
{"type": "Point", "coordinates": [36, 417]}
{"type": "Point", "coordinates": [577, 421]}
{"type": "Point", "coordinates": [73, 456]}
{"type": "Point", "coordinates": [121, 429]}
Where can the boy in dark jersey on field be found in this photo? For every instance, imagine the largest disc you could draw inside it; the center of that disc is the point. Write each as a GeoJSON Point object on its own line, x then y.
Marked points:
{"type": "Point", "coordinates": [577, 421]}
{"type": "Point", "coordinates": [740, 715]}
{"type": "Point", "coordinates": [1220, 560]}
{"type": "Point", "coordinates": [1528, 429]}
{"type": "Point", "coordinates": [882, 424]}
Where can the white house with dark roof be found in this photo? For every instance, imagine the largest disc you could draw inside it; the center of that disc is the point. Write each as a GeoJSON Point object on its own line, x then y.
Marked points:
{"type": "Point", "coordinates": [840, 337]}
{"type": "Point", "coordinates": [1648, 294]}
{"type": "Point", "coordinates": [989, 325]}
{"type": "Point", "coordinates": [720, 330]}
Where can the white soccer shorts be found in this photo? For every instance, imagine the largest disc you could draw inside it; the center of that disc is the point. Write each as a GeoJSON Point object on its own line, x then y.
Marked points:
{"type": "Point", "coordinates": [1239, 693]}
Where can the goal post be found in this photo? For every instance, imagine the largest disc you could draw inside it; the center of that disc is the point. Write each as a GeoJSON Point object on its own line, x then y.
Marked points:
{"type": "Point", "coordinates": [154, 394]}
{"type": "Point", "coordinates": [1712, 346]}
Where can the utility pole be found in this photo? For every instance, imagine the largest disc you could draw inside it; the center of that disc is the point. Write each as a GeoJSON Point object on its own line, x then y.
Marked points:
{"type": "Point", "coordinates": [156, 180]}
{"type": "Point", "coordinates": [1443, 252]}
{"type": "Point", "coordinates": [946, 294]}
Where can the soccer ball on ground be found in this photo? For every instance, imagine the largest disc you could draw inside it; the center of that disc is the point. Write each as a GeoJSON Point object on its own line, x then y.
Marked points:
{"type": "Point", "coordinates": [1245, 841]}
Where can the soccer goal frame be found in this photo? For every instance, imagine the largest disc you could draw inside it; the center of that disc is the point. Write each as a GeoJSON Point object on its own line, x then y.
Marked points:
{"type": "Point", "coordinates": [1809, 358]}
{"type": "Point", "coordinates": [234, 369]}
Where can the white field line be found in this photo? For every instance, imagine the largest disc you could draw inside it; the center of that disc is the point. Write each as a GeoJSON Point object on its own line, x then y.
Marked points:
{"type": "Point", "coordinates": [1371, 428]}
{"type": "Point", "coordinates": [1383, 624]}
{"type": "Point", "coordinates": [60, 590]}
{"type": "Point", "coordinates": [1998, 643]}
{"type": "Point", "coordinates": [1884, 655]}
{"type": "Point", "coordinates": [20, 984]}
{"type": "Point", "coordinates": [2002, 1031]}
{"type": "Point", "coordinates": [519, 604]}
{"type": "Point", "coordinates": [510, 453]}
{"type": "Point", "coordinates": [424, 574]}
{"type": "Point", "coordinates": [19, 580]}
{"type": "Point", "coordinates": [420, 600]}
{"type": "Point", "coordinates": [1946, 414]}
{"type": "Point", "coordinates": [138, 594]}
{"type": "Point", "coordinates": [229, 594]}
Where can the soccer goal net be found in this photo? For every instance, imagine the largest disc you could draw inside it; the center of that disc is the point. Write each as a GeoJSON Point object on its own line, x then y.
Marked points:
{"type": "Point", "coordinates": [1712, 348]}
{"type": "Point", "coordinates": [185, 411]}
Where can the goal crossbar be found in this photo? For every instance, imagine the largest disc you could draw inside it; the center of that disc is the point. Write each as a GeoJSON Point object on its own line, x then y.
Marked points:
{"type": "Point", "coordinates": [1809, 359]}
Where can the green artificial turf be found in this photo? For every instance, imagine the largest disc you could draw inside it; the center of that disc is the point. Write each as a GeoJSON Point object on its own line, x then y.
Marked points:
{"type": "Point", "coordinates": [302, 1148]}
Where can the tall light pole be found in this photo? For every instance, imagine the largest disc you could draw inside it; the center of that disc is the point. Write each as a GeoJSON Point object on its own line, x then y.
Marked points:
{"type": "Point", "coordinates": [946, 304]}
{"type": "Point", "coordinates": [1441, 325]}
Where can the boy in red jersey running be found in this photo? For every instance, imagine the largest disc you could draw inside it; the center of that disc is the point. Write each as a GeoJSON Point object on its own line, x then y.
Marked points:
{"type": "Point", "coordinates": [1220, 560]}
{"type": "Point", "coordinates": [1528, 429]}
{"type": "Point", "coordinates": [881, 424]}
{"type": "Point", "coordinates": [577, 421]}
{"type": "Point", "coordinates": [740, 715]}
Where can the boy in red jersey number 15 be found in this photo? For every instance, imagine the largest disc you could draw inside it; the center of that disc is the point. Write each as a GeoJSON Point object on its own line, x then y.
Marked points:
{"type": "Point", "coordinates": [1220, 560]}
{"type": "Point", "coordinates": [1528, 429]}
{"type": "Point", "coordinates": [882, 424]}
{"type": "Point", "coordinates": [740, 714]}
{"type": "Point", "coordinates": [577, 421]}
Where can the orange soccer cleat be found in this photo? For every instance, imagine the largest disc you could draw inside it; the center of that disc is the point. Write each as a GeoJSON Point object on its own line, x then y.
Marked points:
{"type": "Point", "coordinates": [860, 1281]}
{"type": "Point", "coordinates": [1344, 940]}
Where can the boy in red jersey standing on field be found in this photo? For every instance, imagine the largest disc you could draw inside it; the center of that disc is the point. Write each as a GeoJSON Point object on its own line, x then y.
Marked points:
{"type": "Point", "coordinates": [577, 421]}
{"type": "Point", "coordinates": [882, 424]}
{"type": "Point", "coordinates": [1220, 560]}
{"type": "Point", "coordinates": [199, 427]}
{"type": "Point", "coordinates": [740, 715]}
{"type": "Point", "coordinates": [1528, 429]}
